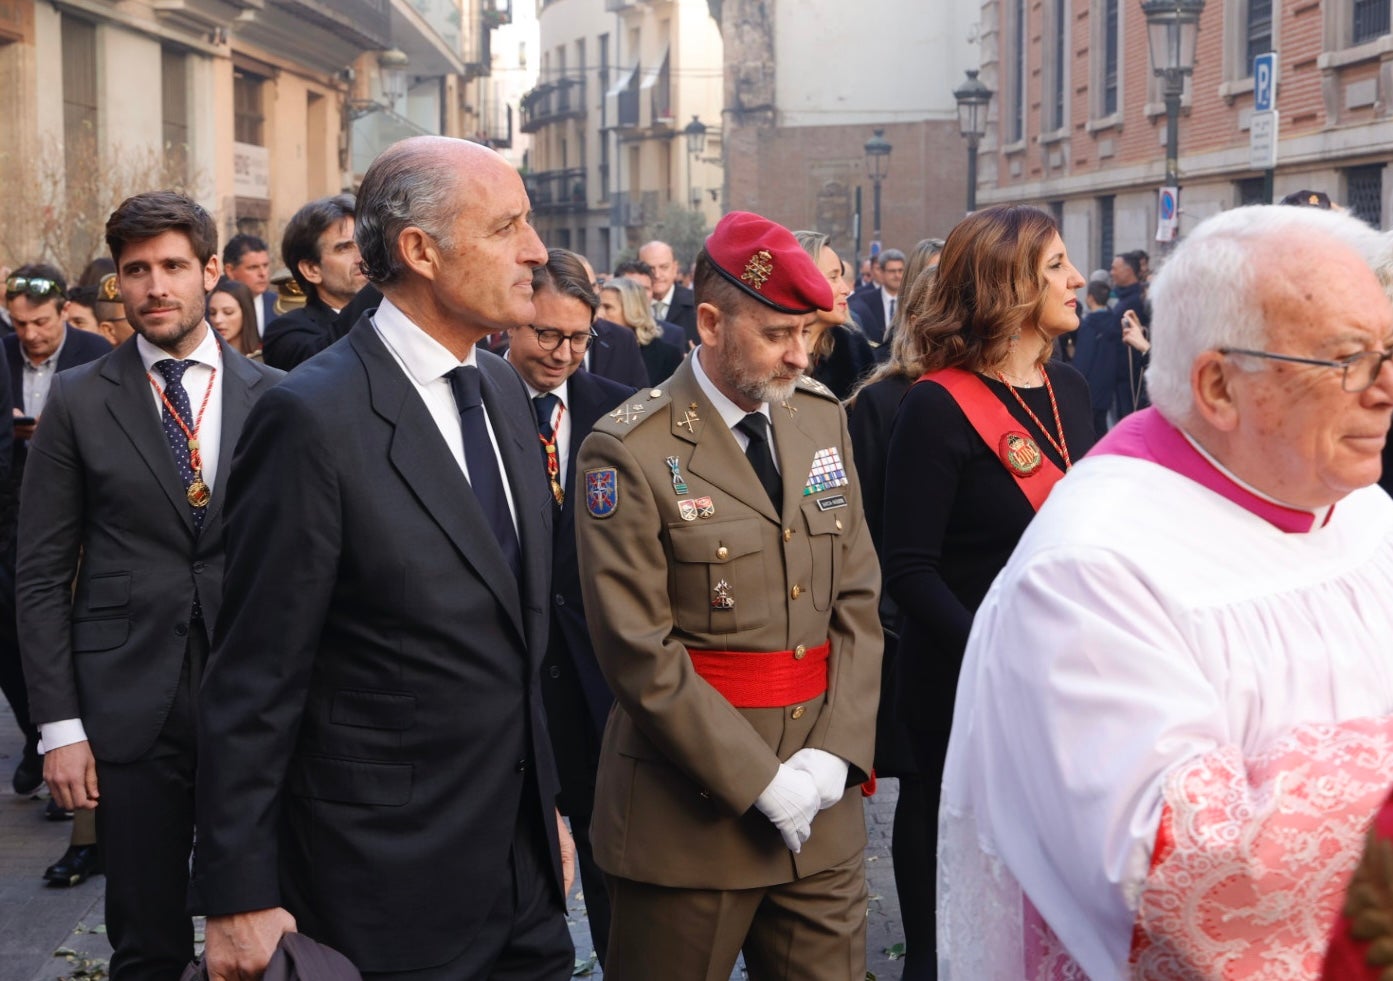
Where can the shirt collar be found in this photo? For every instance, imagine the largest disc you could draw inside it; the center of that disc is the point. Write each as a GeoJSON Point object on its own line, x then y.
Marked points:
{"type": "Point", "coordinates": [1147, 435]}
{"type": "Point", "coordinates": [561, 391]}
{"type": "Point", "coordinates": [729, 412]}
{"type": "Point", "coordinates": [207, 352]}
{"type": "Point", "coordinates": [424, 358]}
{"type": "Point", "coordinates": [667, 297]}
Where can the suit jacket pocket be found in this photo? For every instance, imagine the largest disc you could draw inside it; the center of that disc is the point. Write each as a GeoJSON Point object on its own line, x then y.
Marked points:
{"type": "Point", "coordinates": [391, 710]}
{"type": "Point", "coordinates": [720, 583]}
{"type": "Point", "coordinates": [111, 589]}
{"type": "Point", "coordinates": [352, 781]}
{"type": "Point", "coordinates": [100, 634]}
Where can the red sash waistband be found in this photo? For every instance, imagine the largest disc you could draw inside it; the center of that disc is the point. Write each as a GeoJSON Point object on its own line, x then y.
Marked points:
{"type": "Point", "coordinates": [765, 679]}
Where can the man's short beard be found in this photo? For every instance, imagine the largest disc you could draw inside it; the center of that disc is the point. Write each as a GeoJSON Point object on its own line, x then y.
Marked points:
{"type": "Point", "coordinates": [771, 390]}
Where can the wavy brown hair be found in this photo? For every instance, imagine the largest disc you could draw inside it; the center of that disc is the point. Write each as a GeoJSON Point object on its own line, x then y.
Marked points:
{"type": "Point", "coordinates": [988, 289]}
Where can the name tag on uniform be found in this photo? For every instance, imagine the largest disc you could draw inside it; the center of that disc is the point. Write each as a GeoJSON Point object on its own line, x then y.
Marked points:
{"type": "Point", "coordinates": [828, 503]}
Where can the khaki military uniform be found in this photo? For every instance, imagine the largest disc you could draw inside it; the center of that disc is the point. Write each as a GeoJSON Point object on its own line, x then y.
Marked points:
{"type": "Point", "coordinates": [699, 559]}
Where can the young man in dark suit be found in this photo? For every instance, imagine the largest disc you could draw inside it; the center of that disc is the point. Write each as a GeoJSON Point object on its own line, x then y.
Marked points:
{"type": "Point", "coordinates": [547, 354]}
{"type": "Point", "coordinates": [120, 569]}
{"type": "Point", "coordinates": [377, 771]}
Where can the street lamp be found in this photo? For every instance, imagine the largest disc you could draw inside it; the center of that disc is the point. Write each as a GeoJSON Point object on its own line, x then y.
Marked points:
{"type": "Point", "coordinates": [392, 64]}
{"type": "Point", "coordinates": [972, 98]}
{"type": "Point", "coordinates": [877, 166]}
{"type": "Point", "coordinates": [1172, 27]}
{"type": "Point", "coordinates": [695, 131]}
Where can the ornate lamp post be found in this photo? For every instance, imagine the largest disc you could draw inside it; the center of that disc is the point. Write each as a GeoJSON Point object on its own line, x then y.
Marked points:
{"type": "Point", "coordinates": [877, 167]}
{"type": "Point", "coordinates": [1172, 27]}
{"type": "Point", "coordinates": [972, 97]}
{"type": "Point", "coordinates": [695, 131]}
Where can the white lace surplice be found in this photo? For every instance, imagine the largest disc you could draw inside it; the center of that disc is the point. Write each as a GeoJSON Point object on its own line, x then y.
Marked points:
{"type": "Point", "coordinates": [1158, 663]}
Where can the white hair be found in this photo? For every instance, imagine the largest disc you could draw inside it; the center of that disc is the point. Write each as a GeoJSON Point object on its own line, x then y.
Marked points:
{"type": "Point", "coordinates": [1209, 292]}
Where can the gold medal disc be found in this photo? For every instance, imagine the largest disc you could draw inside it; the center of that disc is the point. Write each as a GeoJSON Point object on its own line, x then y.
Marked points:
{"type": "Point", "coordinates": [198, 494]}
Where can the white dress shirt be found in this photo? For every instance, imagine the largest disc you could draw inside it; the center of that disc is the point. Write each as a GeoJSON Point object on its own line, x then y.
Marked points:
{"type": "Point", "coordinates": [426, 363]}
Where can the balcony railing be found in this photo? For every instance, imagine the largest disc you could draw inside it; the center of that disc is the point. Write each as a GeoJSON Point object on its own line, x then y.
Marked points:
{"type": "Point", "coordinates": [552, 102]}
{"type": "Point", "coordinates": [553, 191]}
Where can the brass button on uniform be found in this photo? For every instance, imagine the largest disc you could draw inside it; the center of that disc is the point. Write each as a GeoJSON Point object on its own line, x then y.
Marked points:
{"type": "Point", "coordinates": [839, 524]}
{"type": "Point", "coordinates": [796, 591]}
{"type": "Point", "coordinates": [788, 534]}
{"type": "Point", "coordinates": [799, 652]}
{"type": "Point", "coordinates": [655, 393]}
{"type": "Point", "coordinates": [797, 713]}
{"type": "Point", "coordinates": [722, 552]}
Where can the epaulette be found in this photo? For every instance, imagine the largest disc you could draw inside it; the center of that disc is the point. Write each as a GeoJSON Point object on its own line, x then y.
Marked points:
{"type": "Point", "coordinates": [807, 383]}
{"type": "Point", "coordinates": [641, 407]}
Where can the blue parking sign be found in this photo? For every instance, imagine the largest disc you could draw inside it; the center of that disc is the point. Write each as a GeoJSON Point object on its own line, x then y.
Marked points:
{"type": "Point", "coordinates": [1265, 82]}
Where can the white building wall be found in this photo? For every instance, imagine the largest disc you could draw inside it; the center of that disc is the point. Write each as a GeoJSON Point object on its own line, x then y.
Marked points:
{"type": "Point", "coordinates": [128, 79]}
{"type": "Point", "coordinates": [888, 62]}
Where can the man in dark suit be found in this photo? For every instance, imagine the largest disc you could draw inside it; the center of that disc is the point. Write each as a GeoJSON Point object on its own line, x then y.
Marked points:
{"type": "Point", "coordinates": [120, 569]}
{"type": "Point", "coordinates": [874, 309]}
{"type": "Point", "coordinates": [318, 247]}
{"type": "Point", "coordinates": [40, 347]}
{"type": "Point", "coordinates": [247, 259]}
{"type": "Point", "coordinates": [670, 302]}
{"type": "Point", "coordinates": [547, 355]}
{"type": "Point", "coordinates": [376, 764]}
{"type": "Point", "coordinates": [615, 355]}
{"type": "Point", "coordinates": [642, 273]}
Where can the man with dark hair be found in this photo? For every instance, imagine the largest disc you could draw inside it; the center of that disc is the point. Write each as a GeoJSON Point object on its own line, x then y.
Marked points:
{"type": "Point", "coordinates": [1096, 350]}
{"type": "Point", "coordinates": [377, 771]}
{"type": "Point", "coordinates": [874, 309]}
{"type": "Point", "coordinates": [1130, 362]}
{"type": "Point", "coordinates": [731, 589]}
{"type": "Point", "coordinates": [319, 250]}
{"type": "Point", "coordinates": [120, 569]}
{"type": "Point", "coordinates": [40, 346]}
{"type": "Point", "coordinates": [247, 259]}
{"type": "Point", "coordinates": [547, 354]}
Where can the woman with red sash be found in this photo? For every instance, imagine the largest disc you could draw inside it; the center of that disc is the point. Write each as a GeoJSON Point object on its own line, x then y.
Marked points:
{"type": "Point", "coordinates": [977, 444]}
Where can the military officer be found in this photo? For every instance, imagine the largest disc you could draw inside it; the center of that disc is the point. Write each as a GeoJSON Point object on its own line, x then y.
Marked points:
{"type": "Point", "coordinates": [731, 587]}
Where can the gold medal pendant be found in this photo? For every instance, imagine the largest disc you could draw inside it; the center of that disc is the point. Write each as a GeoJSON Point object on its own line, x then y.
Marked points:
{"type": "Point", "coordinates": [198, 494]}
{"type": "Point", "coordinates": [557, 492]}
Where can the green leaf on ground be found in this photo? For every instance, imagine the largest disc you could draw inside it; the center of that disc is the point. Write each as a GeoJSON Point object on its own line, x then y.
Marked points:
{"type": "Point", "coordinates": [585, 967]}
{"type": "Point", "coordinates": [895, 951]}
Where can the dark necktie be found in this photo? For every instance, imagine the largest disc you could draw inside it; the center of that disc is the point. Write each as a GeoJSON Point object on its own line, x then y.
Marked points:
{"type": "Point", "coordinates": [761, 457]}
{"type": "Point", "coordinates": [892, 311]}
{"type": "Point", "coordinates": [545, 406]}
{"type": "Point", "coordinates": [174, 395]}
{"type": "Point", "coordinates": [546, 411]}
{"type": "Point", "coordinates": [484, 476]}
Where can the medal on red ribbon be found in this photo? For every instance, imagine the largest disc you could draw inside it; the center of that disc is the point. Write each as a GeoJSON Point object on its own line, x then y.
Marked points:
{"type": "Point", "coordinates": [1020, 453]}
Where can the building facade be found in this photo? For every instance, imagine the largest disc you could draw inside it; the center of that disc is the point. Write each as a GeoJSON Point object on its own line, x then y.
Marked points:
{"type": "Point", "coordinates": [251, 106]}
{"type": "Point", "coordinates": [1077, 122]}
{"type": "Point", "coordinates": [807, 84]}
{"type": "Point", "coordinates": [619, 82]}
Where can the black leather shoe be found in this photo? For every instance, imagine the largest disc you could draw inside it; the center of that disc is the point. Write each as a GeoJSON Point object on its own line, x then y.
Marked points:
{"type": "Point", "coordinates": [77, 865]}
{"type": "Point", "coordinates": [29, 775]}
{"type": "Point", "coordinates": [55, 812]}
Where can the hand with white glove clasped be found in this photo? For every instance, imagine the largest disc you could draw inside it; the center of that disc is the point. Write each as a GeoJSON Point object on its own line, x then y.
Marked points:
{"type": "Point", "coordinates": [790, 802]}
{"type": "Point", "coordinates": [827, 770]}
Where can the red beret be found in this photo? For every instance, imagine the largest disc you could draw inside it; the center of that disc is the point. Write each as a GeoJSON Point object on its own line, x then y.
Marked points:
{"type": "Point", "coordinates": [766, 261]}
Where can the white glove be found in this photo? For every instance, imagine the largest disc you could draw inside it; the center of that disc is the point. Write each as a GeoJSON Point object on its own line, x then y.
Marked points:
{"type": "Point", "coordinates": [790, 802]}
{"type": "Point", "coordinates": [827, 770]}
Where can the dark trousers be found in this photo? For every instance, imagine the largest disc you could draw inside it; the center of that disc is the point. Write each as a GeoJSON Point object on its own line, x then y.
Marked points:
{"type": "Point", "coordinates": [916, 839]}
{"type": "Point", "coordinates": [11, 668]}
{"type": "Point", "coordinates": [145, 822]}
{"type": "Point", "coordinates": [524, 937]}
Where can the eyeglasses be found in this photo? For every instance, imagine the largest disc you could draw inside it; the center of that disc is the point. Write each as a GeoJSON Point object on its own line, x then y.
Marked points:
{"type": "Point", "coordinates": [36, 287]}
{"type": "Point", "coordinates": [549, 339]}
{"type": "Point", "coordinates": [1358, 371]}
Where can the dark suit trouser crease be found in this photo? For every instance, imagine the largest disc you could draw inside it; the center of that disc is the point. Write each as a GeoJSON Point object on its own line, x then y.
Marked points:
{"type": "Point", "coordinates": [524, 937]}
{"type": "Point", "coordinates": [145, 824]}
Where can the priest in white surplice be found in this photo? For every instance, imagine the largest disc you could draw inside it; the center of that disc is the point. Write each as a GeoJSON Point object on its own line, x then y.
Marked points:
{"type": "Point", "coordinates": [1175, 719]}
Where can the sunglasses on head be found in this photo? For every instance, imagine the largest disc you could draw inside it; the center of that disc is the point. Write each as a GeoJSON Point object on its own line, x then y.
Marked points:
{"type": "Point", "coordinates": [36, 287]}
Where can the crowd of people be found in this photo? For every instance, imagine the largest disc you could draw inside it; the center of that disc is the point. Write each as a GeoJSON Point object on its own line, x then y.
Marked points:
{"type": "Point", "coordinates": [370, 607]}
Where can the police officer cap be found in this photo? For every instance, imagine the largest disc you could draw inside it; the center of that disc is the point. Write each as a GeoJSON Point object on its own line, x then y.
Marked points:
{"type": "Point", "coordinates": [1308, 199]}
{"type": "Point", "coordinates": [764, 260]}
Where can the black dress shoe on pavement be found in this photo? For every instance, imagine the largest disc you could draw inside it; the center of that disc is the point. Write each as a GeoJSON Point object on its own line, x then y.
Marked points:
{"type": "Point", "coordinates": [78, 864]}
{"type": "Point", "coordinates": [56, 812]}
{"type": "Point", "coordinates": [29, 775]}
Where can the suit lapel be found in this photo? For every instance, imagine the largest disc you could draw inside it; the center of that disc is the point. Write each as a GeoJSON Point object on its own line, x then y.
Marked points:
{"type": "Point", "coordinates": [239, 382]}
{"type": "Point", "coordinates": [131, 405]}
{"type": "Point", "coordinates": [716, 457]}
{"type": "Point", "coordinates": [423, 460]}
